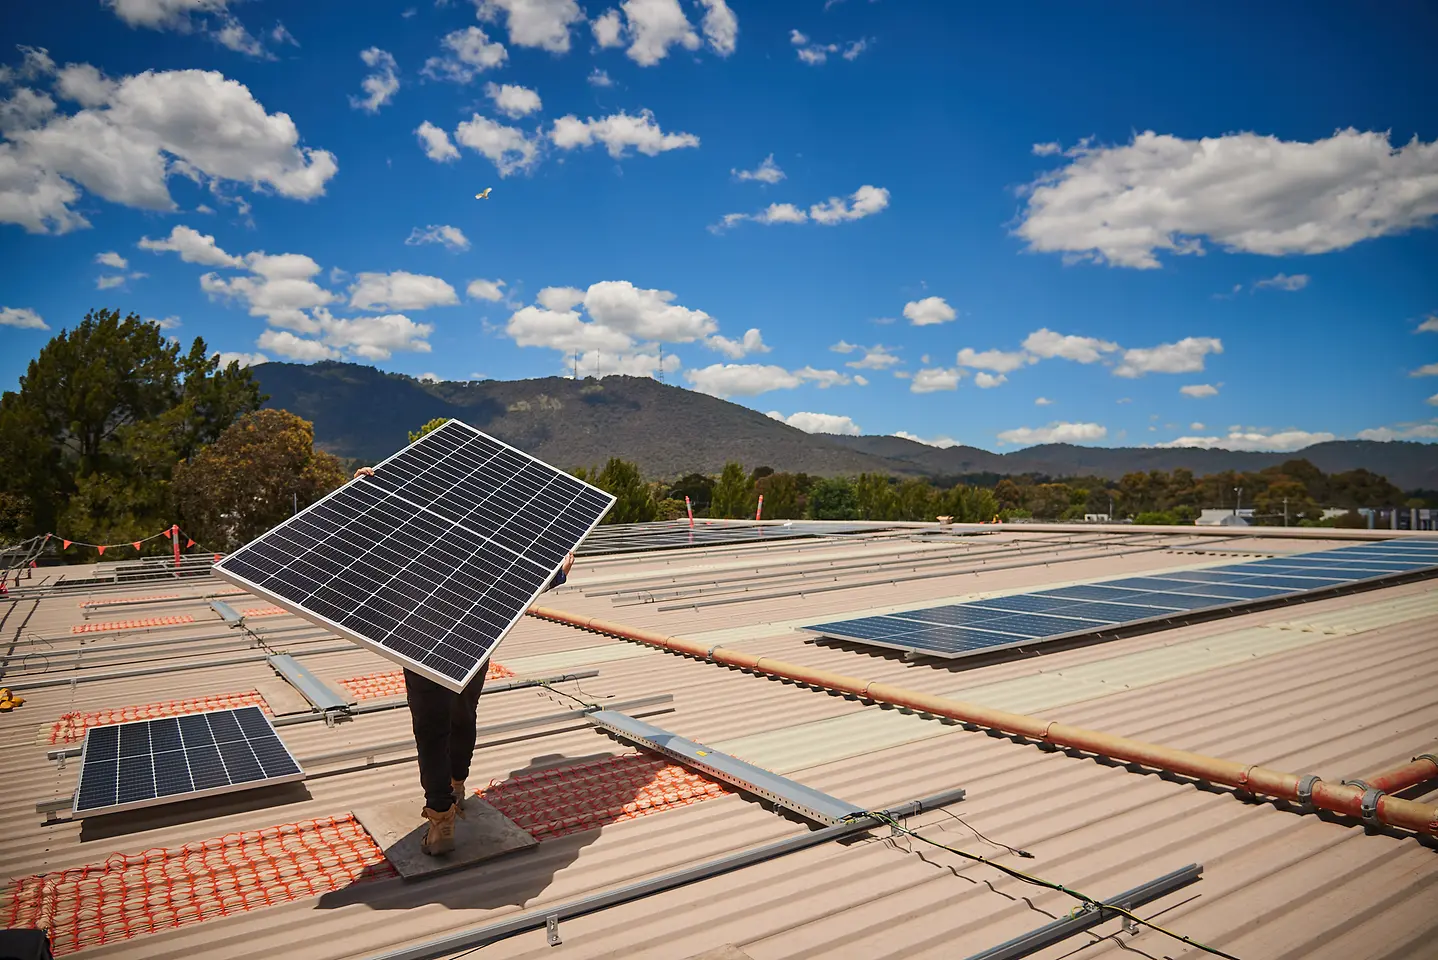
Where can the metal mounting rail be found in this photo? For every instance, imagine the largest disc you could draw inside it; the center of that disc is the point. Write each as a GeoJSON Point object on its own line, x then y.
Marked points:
{"type": "Point", "coordinates": [311, 687]}
{"type": "Point", "coordinates": [227, 613]}
{"type": "Point", "coordinates": [1091, 916]}
{"type": "Point", "coordinates": [805, 801]}
{"type": "Point", "coordinates": [550, 917]}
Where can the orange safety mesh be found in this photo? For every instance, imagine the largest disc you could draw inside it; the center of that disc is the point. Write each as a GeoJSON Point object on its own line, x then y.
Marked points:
{"type": "Point", "coordinates": [131, 624]}
{"type": "Point", "coordinates": [390, 683]}
{"type": "Point", "coordinates": [71, 727]}
{"type": "Point", "coordinates": [263, 612]}
{"type": "Point", "coordinates": [107, 601]}
{"type": "Point", "coordinates": [129, 895]}
{"type": "Point", "coordinates": [563, 800]}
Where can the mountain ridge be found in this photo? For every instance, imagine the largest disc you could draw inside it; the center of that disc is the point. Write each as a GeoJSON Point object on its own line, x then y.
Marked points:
{"type": "Point", "coordinates": [364, 413]}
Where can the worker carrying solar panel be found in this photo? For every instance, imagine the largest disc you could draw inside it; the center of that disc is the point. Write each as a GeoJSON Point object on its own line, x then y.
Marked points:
{"type": "Point", "coordinates": [444, 736]}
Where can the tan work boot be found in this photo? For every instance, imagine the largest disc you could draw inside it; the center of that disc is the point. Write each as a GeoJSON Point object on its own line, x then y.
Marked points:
{"type": "Point", "coordinates": [460, 795]}
{"type": "Point", "coordinates": [439, 838]}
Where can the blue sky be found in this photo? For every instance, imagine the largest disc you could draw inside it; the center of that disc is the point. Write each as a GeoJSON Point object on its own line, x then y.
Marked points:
{"type": "Point", "coordinates": [995, 227]}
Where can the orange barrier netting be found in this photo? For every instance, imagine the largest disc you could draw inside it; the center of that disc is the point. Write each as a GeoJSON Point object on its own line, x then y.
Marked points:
{"type": "Point", "coordinates": [131, 624]}
{"type": "Point", "coordinates": [71, 727]}
{"type": "Point", "coordinates": [109, 600]}
{"type": "Point", "coordinates": [130, 895]}
{"type": "Point", "coordinates": [263, 612]}
{"type": "Point", "coordinates": [390, 683]}
{"type": "Point", "coordinates": [563, 800]}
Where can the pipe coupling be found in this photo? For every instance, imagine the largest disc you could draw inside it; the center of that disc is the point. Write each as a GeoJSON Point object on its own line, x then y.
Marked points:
{"type": "Point", "coordinates": [1360, 784]}
{"type": "Point", "coordinates": [1429, 757]}
{"type": "Point", "coordinates": [1368, 806]}
{"type": "Point", "coordinates": [1305, 789]}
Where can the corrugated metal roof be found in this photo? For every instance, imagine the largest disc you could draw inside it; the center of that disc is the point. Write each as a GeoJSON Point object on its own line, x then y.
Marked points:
{"type": "Point", "coordinates": [1341, 687]}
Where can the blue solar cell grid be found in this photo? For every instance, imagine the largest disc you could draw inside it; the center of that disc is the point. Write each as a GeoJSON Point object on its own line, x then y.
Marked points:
{"type": "Point", "coordinates": [955, 630]}
{"type": "Point", "coordinates": [146, 762]}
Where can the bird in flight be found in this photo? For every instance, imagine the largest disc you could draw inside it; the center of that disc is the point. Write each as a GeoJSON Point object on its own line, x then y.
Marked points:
{"type": "Point", "coordinates": [484, 195]}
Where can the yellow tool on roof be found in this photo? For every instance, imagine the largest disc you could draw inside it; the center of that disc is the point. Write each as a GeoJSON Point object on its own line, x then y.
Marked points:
{"type": "Point", "coordinates": [9, 701]}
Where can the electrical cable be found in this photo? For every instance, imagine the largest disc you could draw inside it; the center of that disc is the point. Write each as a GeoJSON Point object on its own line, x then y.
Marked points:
{"type": "Point", "coordinates": [1087, 901]}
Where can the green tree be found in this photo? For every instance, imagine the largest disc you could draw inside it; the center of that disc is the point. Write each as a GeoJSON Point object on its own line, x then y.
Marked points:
{"type": "Point", "coordinates": [252, 478]}
{"type": "Point", "coordinates": [1049, 501]}
{"type": "Point", "coordinates": [833, 498]}
{"type": "Point", "coordinates": [875, 495]}
{"type": "Point", "coordinates": [101, 417]}
{"type": "Point", "coordinates": [1009, 495]}
{"type": "Point", "coordinates": [633, 500]}
{"type": "Point", "coordinates": [781, 496]}
{"type": "Point", "coordinates": [1286, 498]}
{"type": "Point", "coordinates": [913, 501]}
{"type": "Point", "coordinates": [697, 487]}
{"type": "Point", "coordinates": [429, 427]}
{"type": "Point", "coordinates": [733, 494]}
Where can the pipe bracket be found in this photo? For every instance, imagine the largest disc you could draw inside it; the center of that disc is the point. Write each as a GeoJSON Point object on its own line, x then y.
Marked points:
{"type": "Point", "coordinates": [1305, 789]}
{"type": "Point", "coordinates": [1429, 757]}
{"type": "Point", "coordinates": [1360, 784]}
{"type": "Point", "coordinates": [1368, 806]}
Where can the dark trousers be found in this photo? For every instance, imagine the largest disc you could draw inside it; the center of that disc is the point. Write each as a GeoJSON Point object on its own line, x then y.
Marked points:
{"type": "Point", "coordinates": [443, 732]}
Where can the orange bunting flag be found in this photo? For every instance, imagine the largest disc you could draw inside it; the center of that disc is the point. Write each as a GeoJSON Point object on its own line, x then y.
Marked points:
{"type": "Point", "coordinates": [189, 544]}
{"type": "Point", "coordinates": [66, 544]}
{"type": "Point", "coordinates": [136, 544]}
{"type": "Point", "coordinates": [102, 549]}
{"type": "Point", "coordinates": [217, 558]}
{"type": "Point", "coordinates": [167, 534]}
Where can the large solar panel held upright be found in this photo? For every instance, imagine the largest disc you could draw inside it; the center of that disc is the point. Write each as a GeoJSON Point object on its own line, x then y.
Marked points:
{"type": "Point", "coordinates": [124, 766]}
{"type": "Point", "coordinates": [432, 560]}
{"type": "Point", "coordinates": [985, 626]}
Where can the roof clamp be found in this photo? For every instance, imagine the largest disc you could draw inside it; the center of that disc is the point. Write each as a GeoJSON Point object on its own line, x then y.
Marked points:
{"type": "Point", "coordinates": [1305, 790]}
{"type": "Point", "coordinates": [551, 930]}
{"type": "Point", "coordinates": [1368, 806]}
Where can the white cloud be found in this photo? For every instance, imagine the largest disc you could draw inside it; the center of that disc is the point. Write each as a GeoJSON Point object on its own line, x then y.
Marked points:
{"type": "Point", "coordinates": [281, 34]}
{"type": "Point", "coordinates": [865, 202]}
{"type": "Point", "coordinates": [508, 148]}
{"type": "Point", "coordinates": [112, 259]}
{"type": "Point", "coordinates": [1417, 431]}
{"type": "Point", "coordinates": [1199, 390]}
{"type": "Point", "coordinates": [453, 238]}
{"type": "Point", "coordinates": [107, 282]}
{"type": "Point", "coordinates": [608, 29]}
{"type": "Point", "coordinates": [400, 290]}
{"type": "Point", "coordinates": [741, 379]}
{"type": "Point", "coordinates": [1244, 192]}
{"type": "Point", "coordinates": [428, 377]}
{"type": "Point", "coordinates": [1046, 344]}
{"type": "Point", "coordinates": [653, 26]}
{"type": "Point", "coordinates": [845, 347]}
{"type": "Point", "coordinates": [280, 288]}
{"type": "Point", "coordinates": [565, 331]}
{"type": "Point", "coordinates": [232, 34]}
{"type": "Point", "coordinates": [933, 379]}
{"type": "Point", "coordinates": [1195, 426]}
{"type": "Point", "coordinates": [998, 361]}
{"type": "Point", "coordinates": [1283, 281]}
{"type": "Point", "coordinates": [643, 364]}
{"type": "Point", "coordinates": [1255, 440]}
{"type": "Point", "coordinates": [928, 311]}
{"type": "Point", "coordinates": [815, 54]}
{"type": "Point", "coordinates": [560, 298]}
{"type": "Point", "coordinates": [1428, 370]}
{"type": "Point", "coordinates": [291, 347]}
{"type": "Point", "coordinates": [1042, 402]}
{"type": "Point", "coordinates": [534, 23]}
{"type": "Point", "coordinates": [471, 52]}
{"type": "Point", "coordinates": [819, 422]}
{"type": "Point", "coordinates": [721, 26]}
{"type": "Point", "coordinates": [381, 84]}
{"type": "Point", "coordinates": [131, 136]}
{"type": "Point", "coordinates": [375, 338]}
{"type": "Point", "coordinates": [988, 380]}
{"type": "Point", "coordinates": [511, 100]}
{"type": "Point", "coordinates": [599, 78]}
{"type": "Point", "coordinates": [168, 323]}
{"type": "Point", "coordinates": [485, 290]}
{"type": "Point", "coordinates": [942, 443]}
{"type": "Point", "coordinates": [751, 342]}
{"type": "Point", "coordinates": [767, 172]}
{"type": "Point", "coordinates": [193, 247]}
{"type": "Point", "coordinates": [618, 132]}
{"type": "Point", "coordinates": [1429, 325]}
{"type": "Point", "coordinates": [1433, 400]}
{"type": "Point", "coordinates": [1185, 356]}
{"type": "Point", "coordinates": [876, 357]}
{"type": "Point", "coordinates": [22, 317]}
{"type": "Point", "coordinates": [824, 379]}
{"type": "Point", "coordinates": [243, 359]}
{"type": "Point", "coordinates": [1047, 149]}
{"type": "Point", "coordinates": [1058, 432]}
{"type": "Point", "coordinates": [646, 314]}
{"type": "Point", "coordinates": [35, 62]}
{"type": "Point", "coordinates": [181, 16]}
{"type": "Point", "coordinates": [861, 380]}
{"type": "Point", "coordinates": [436, 143]}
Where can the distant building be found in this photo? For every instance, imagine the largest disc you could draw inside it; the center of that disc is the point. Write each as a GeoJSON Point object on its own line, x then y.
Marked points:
{"type": "Point", "coordinates": [1095, 518]}
{"type": "Point", "coordinates": [1224, 518]}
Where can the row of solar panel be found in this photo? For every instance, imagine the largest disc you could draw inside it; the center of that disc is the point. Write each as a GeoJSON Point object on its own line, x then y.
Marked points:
{"type": "Point", "coordinates": [678, 533]}
{"type": "Point", "coordinates": [956, 630]}
{"type": "Point", "coordinates": [135, 764]}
